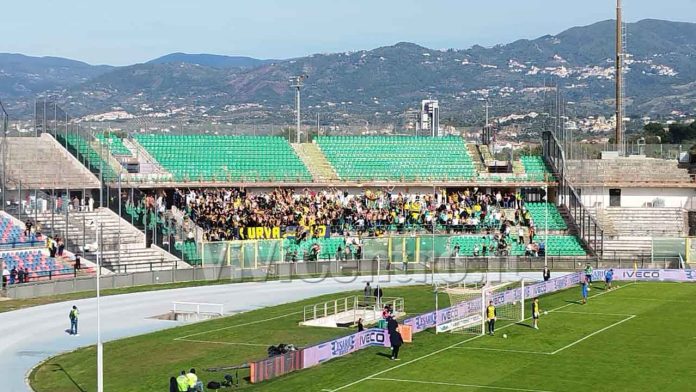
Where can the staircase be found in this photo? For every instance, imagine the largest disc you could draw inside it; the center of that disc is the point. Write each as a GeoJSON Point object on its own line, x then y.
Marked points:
{"type": "Point", "coordinates": [476, 158]}
{"type": "Point", "coordinates": [316, 162]}
{"type": "Point", "coordinates": [122, 247]}
{"type": "Point", "coordinates": [573, 228]}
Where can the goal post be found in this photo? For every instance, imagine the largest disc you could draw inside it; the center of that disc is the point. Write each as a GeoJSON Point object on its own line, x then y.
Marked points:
{"type": "Point", "coordinates": [464, 314]}
{"type": "Point", "coordinates": [467, 305]}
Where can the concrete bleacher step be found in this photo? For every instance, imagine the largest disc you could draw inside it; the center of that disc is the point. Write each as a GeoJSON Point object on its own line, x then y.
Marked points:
{"type": "Point", "coordinates": [122, 252]}
{"type": "Point", "coordinates": [315, 161]}
{"type": "Point", "coordinates": [42, 163]}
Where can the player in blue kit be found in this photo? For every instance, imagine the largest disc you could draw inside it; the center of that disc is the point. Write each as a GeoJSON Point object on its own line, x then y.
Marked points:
{"type": "Point", "coordinates": [608, 277]}
{"type": "Point", "coordinates": [585, 288]}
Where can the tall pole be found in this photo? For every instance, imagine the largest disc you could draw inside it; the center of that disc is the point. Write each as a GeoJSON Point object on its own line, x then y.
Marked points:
{"type": "Point", "coordinates": [297, 103]}
{"type": "Point", "coordinates": [100, 346]}
{"type": "Point", "coordinates": [619, 79]}
{"type": "Point", "coordinates": [296, 83]}
{"type": "Point", "coordinates": [546, 224]}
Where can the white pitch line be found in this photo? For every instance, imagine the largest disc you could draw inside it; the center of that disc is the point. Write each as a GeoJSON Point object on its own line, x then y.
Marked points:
{"type": "Point", "coordinates": [599, 314]}
{"type": "Point", "coordinates": [452, 384]}
{"type": "Point", "coordinates": [503, 350]}
{"type": "Point", "coordinates": [593, 334]}
{"type": "Point", "coordinates": [237, 325]}
{"type": "Point", "coordinates": [657, 300]}
{"type": "Point", "coordinates": [457, 344]}
{"type": "Point", "coordinates": [228, 343]}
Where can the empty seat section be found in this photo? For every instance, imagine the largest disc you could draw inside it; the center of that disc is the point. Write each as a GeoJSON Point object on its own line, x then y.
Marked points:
{"type": "Point", "coordinates": [557, 245]}
{"type": "Point", "coordinates": [226, 158]}
{"type": "Point", "coordinates": [115, 144]}
{"type": "Point", "coordinates": [328, 247]}
{"type": "Point", "coordinates": [536, 169]}
{"type": "Point", "coordinates": [398, 158]}
{"type": "Point", "coordinates": [87, 154]}
{"type": "Point", "coordinates": [538, 211]}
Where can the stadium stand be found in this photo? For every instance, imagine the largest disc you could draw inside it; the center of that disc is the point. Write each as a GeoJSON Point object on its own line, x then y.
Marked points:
{"type": "Point", "coordinates": [398, 158]}
{"type": "Point", "coordinates": [123, 245]}
{"type": "Point", "coordinates": [536, 169]}
{"type": "Point", "coordinates": [13, 235]}
{"type": "Point", "coordinates": [328, 248]}
{"type": "Point", "coordinates": [226, 158]}
{"type": "Point", "coordinates": [38, 263]}
{"type": "Point", "coordinates": [115, 144]}
{"type": "Point", "coordinates": [648, 171]}
{"type": "Point", "coordinates": [88, 153]}
{"type": "Point", "coordinates": [558, 245]}
{"type": "Point", "coordinates": [538, 211]}
{"type": "Point", "coordinates": [40, 162]}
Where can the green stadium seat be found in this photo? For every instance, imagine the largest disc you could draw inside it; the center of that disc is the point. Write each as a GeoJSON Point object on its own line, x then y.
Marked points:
{"type": "Point", "coordinates": [398, 158]}
{"type": "Point", "coordinates": [226, 158]}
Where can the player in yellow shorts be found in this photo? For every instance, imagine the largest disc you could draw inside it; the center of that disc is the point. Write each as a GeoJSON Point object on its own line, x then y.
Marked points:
{"type": "Point", "coordinates": [490, 317]}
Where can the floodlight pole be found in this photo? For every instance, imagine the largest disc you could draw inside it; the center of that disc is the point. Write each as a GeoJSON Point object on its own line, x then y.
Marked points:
{"type": "Point", "coordinates": [546, 229]}
{"type": "Point", "coordinates": [297, 83]}
{"type": "Point", "coordinates": [100, 346]}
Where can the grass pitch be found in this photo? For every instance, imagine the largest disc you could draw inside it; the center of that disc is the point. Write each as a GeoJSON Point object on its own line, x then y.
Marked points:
{"type": "Point", "coordinates": [638, 337]}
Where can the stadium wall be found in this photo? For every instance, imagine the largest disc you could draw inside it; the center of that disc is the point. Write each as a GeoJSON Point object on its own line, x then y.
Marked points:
{"type": "Point", "coordinates": [637, 197]}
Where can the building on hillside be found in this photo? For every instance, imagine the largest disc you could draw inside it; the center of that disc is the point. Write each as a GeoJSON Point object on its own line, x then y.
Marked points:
{"type": "Point", "coordinates": [430, 117]}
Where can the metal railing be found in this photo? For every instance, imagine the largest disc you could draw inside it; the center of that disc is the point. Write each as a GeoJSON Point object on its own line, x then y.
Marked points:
{"type": "Point", "coordinates": [588, 228]}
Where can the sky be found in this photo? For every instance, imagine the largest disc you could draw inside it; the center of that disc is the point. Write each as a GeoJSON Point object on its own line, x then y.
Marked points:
{"type": "Point", "coordinates": [131, 31]}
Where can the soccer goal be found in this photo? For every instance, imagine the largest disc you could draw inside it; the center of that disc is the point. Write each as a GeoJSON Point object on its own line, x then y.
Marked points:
{"type": "Point", "coordinates": [468, 302]}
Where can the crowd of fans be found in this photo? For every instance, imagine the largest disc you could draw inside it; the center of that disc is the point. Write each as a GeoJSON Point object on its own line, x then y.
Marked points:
{"type": "Point", "coordinates": [224, 213]}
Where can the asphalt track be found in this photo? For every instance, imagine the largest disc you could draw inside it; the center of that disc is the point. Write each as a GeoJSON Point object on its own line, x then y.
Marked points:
{"type": "Point", "coordinates": [29, 336]}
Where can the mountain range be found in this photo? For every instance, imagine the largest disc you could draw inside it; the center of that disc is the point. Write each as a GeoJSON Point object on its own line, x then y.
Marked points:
{"type": "Point", "coordinates": [382, 82]}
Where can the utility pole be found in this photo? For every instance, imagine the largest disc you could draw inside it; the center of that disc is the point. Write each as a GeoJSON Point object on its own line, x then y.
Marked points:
{"type": "Point", "coordinates": [619, 80]}
{"type": "Point", "coordinates": [297, 83]}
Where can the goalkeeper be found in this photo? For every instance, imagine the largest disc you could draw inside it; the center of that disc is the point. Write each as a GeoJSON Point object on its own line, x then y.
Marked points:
{"type": "Point", "coordinates": [535, 313]}
{"type": "Point", "coordinates": [490, 317]}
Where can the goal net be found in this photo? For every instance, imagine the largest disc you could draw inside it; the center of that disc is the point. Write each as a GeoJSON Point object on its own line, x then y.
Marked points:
{"type": "Point", "coordinates": [468, 302]}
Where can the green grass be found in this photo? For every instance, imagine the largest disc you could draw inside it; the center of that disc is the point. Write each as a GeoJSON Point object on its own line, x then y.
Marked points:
{"type": "Point", "coordinates": [7, 305]}
{"type": "Point", "coordinates": [638, 337]}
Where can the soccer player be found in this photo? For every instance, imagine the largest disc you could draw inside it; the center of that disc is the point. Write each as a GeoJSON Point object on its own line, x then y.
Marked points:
{"type": "Point", "coordinates": [585, 287]}
{"type": "Point", "coordinates": [490, 317]}
{"type": "Point", "coordinates": [608, 277]}
{"type": "Point", "coordinates": [588, 275]}
{"type": "Point", "coordinates": [535, 313]}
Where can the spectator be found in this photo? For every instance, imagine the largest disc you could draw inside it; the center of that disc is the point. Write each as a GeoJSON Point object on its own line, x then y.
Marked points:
{"type": "Point", "coordinates": [61, 247]}
{"type": "Point", "coordinates": [378, 294]}
{"type": "Point", "coordinates": [13, 275]}
{"type": "Point", "coordinates": [546, 273]}
{"type": "Point", "coordinates": [360, 325]}
{"type": "Point", "coordinates": [193, 383]}
{"type": "Point", "coordinates": [5, 276]}
{"type": "Point", "coordinates": [520, 235]}
{"type": "Point", "coordinates": [74, 314]}
{"type": "Point", "coordinates": [394, 338]}
{"type": "Point", "coordinates": [182, 382]}
{"type": "Point", "coordinates": [27, 230]}
{"type": "Point", "coordinates": [78, 265]}
{"type": "Point", "coordinates": [367, 292]}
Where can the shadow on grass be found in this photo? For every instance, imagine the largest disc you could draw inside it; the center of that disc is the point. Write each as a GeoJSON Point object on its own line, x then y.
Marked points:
{"type": "Point", "coordinates": [578, 302]}
{"type": "Point", "coordinates": [59, 368]}
{"type": "Point", "coordinates": [384, 355]}
{"type": "Point", "coordinates": [525, 325]}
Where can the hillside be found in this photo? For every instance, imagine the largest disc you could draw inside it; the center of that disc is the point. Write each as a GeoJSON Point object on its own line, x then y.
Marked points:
{"type": "Point", "coordinates": [385, 81]}
{"type": "Point", "coordinates": [211, 60]}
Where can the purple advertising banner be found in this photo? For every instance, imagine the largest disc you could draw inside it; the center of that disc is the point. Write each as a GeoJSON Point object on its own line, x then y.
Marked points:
{"type": "Point", "coordinates": [431, 319]}
{"type": "Point", "coordinates": [641, 274]}
{"type": "Point", "coordinates": [345, 345]}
